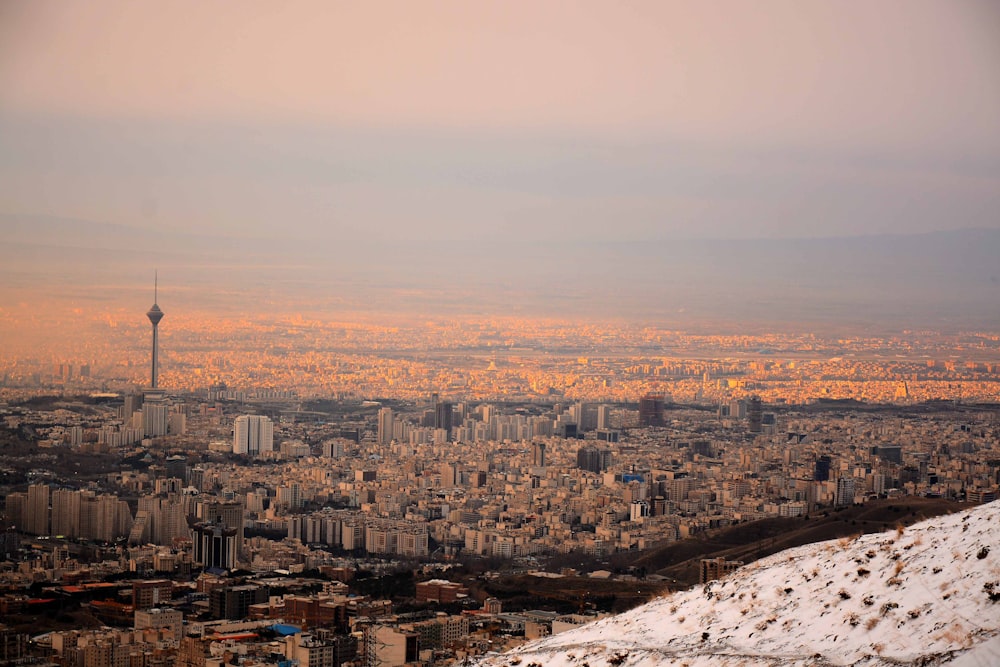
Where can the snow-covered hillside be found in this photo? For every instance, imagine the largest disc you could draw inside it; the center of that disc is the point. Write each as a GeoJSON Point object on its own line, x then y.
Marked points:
{"type": "Point", "coordinates": [929, 594]}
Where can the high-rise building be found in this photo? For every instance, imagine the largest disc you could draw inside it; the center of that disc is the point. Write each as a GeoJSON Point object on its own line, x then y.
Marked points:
{"type": "Point", "coordinates": [231, 514]}
{"type": "Point", "coordinates": [821, 471]}
{"type": "Point", "coordinates": [233, 602]}
{"type": "Point", "coordinates": [196, 477]}
{"type": "Point", "coordinates": [177, 467]}
{"type": "Point", "coordinates": [215, 545]}
{"type": "Point", "coordinates": [902, 391]}
{"type": "Point", "coordinates": [651, 410]}
{"type": "Point", "coordinates": [104, 517]}
{"type": "Point", "coordinates": [155, 414]}
{"type": "Point", "coordinates": [155, 315]}
{"type": "Point", "coordinates": [538, 454]}
{"type": "Point", "coordinates": [133, 402]}
{"type": "Point", "coordinates": [17, 506]}
{"type": "Point", "coordinates": [603, 417]}
{"type": "Point", "coordinates": [892, 453]}
{"type": "Point", "coordinates": [755, 414]}
{"type": "Point", "coordinates": [170, 519]}
{"type": "Point", "coordinates": [385, 426]}
{"type": "Point", "coordinates": [443, 417]}
{"type": "Point", "coordinates": [139, 534]}
{"type": "Point", "coordinates": [845, 492]}
{"type": "Point", "coordinates": [66, 513]}
{"type": "Point", "coordinates": [253, 435]}
{"type": "Point", "coordinates": [593, 459]}
{"type": "Point", "coordinates": [450, 475]}
{"type": "Point", "coordinates": [151, 593]}
{"type": "Point", "coordinates": [36, 516]}
{"type": "Point", "coordinates": [13, 646]}
{"type": "Point", "coordinates": [177, 422]}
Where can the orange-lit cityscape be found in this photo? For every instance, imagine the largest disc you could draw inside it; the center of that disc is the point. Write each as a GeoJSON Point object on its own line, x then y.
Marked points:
{"type": "Point", "coordinates": [516, 360]}
{"type": "Point", "coordinates": [331, 449]}
{"type": "Point", "coordinates": [368, 334]}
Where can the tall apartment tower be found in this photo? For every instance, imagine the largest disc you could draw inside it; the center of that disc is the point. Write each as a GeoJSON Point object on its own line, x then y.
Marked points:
{"type": "Point", "coordinates": [450, 475]}
{"type": "Point", "coordinates": [603, 416]}
{"type": "Point", "coordinates": [443, 416]}
{"type": "Point", "coordinates": [230, 514]}
{"type": "Point", "coordinates": [538, 454]}
{"type": "Point", "coordinates": [651, 410]}
{"type": "Point", "coordinates": [215, 544]}
{"type": "Point", "coordinates": [755, 414]}
{"type": "Point", "coordinates": [17, 508]}
{"type": "Point", "coordinates": [593, 459]}
{"type": "Point", "coordinates": [66, 513]}
{"type": "Point", "coordinates": [36, 515]}
{"type": "Point", "coordinates": [253, 435]}
{"type": "Point", "coordinates": [133, 403]}
{"type": "Point", "coordinates": [155, 315]}
{"type": "Point", "coordinates": [821, 471]}
{"type": "Point", "coordinates": [385, 426]}
{"type": "Point", "coordinates": [155, 414]}
{"type": "Point", "coordinates": [845, 492]}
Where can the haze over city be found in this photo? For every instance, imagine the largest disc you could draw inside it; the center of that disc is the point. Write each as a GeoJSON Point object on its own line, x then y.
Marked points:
{"type": "Point", "coordinates": [640, 161]}
{"type": "Point", "coordinates": [375, 334]}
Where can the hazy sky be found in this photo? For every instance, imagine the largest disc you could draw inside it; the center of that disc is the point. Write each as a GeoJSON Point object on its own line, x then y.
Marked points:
{"type": "Point", "coordinates": [481, 120]}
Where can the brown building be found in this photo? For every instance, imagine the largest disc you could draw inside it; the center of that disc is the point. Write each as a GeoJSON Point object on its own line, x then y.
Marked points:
{"type": "Point", "coordinates": [717, 568]}
{"type": "Point", "coordinates": [440, 590]}
{"type": "Point", "coordinates": [309, 612]}
{"type": "Point", "coordinates": [366, 608]}
{"type": "Point", "coordinates": [233, 602]}
{"type": "Point", "coordinates": [441, 632]}
{"type": "Point", "coordinates": [152, 593]}
{"type": "Point", "coordinates": [651, 410]}
{"type": "Point", "coordinates": [321, 650]}
{"type": "Point", "coordinates": [13, 645]}
{"type": "Point", "coordinates": [343, 574]}
{"type": "Point", "coordinates": [193, 652]}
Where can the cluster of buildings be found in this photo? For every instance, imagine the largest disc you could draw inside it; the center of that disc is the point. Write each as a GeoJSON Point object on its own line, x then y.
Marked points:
{"type": "Point", "coordinates": [497, 360]}
{"type": "Point", "coordinates": [219, 499]}
{"type": "Point", "coordinates": [596, 490]}
{"type": "Point", "coordinates": [215, 620]}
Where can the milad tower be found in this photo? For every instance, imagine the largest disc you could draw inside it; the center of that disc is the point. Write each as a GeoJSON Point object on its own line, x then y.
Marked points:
{"type": "Point", "coordinates": [155, 315]}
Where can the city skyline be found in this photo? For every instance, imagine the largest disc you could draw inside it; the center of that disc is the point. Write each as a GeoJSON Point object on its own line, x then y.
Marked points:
{"type": "Point", "coordinates": [491, 320]}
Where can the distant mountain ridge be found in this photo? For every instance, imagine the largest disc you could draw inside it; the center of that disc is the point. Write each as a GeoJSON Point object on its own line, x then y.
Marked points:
{"type": "Point", "coordinates": [928, 595]}
{"type": "Point", "coordinates": [68, 231]}
{"type": "Point", "coordinates": [942, 278]}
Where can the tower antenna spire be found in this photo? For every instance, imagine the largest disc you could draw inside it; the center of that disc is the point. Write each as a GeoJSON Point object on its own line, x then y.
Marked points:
{"type": "Point", "coordinates": [155, 284]}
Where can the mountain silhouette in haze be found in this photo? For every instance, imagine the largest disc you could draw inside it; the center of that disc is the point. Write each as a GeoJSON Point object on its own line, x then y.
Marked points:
{"type": "Point", "coordinates": [937, 279]}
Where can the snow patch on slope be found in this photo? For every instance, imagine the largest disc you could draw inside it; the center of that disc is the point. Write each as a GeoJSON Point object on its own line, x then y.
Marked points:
{"type": "Point", "coordinates": [929, 594]}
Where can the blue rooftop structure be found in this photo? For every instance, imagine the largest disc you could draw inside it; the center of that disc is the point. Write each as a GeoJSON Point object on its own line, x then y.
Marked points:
{"type": "Point", "coordinates": [285, 630]}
